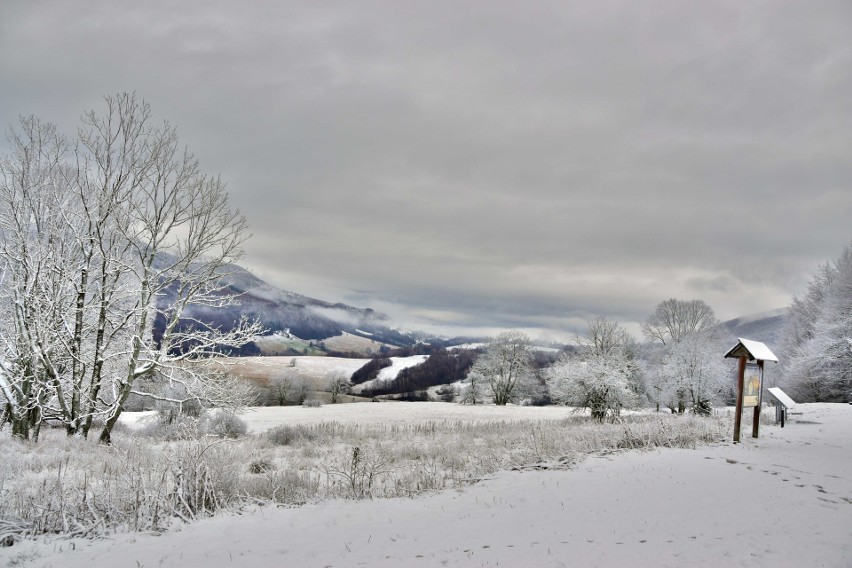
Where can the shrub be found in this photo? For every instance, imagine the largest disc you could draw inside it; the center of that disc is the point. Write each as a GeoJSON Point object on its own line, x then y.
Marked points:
{"type": "Point", "coordinates": [446, 393]}
{"type": "Point", "coordinates": [224, 425]}
{"type": "Point", "coordinates": [286, 435]}
{"type": "Point", "coordinates": [312, 403]}
{"type": "Point", "coordinates": [260, 466]}
{"type": "Point", "coordinates": [162, 428]}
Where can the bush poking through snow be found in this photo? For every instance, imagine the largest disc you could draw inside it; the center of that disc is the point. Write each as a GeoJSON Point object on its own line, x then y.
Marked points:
{"type": "Point", "coordinates": [285, 435]}
{"type": "Point", "coordinates": [360, 472]}
{"type": "Point", "coordinates": [260, 466]}
{"type": "Point", "coordinates": [204, 476]}
{"type": "Point", "coordinates": [224, 425]}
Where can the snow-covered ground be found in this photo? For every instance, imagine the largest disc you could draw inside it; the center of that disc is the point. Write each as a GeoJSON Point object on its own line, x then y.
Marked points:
{"type": "Point", "coordinates": [314, 368]}
{"type": "Point", "coordinates": [782, 500]}
{"type": "Point", "coordinates": [262, 418]}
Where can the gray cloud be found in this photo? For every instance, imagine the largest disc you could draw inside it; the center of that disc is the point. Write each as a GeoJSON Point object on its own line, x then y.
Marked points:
{"type": "Point", "coordinates": [484, 165]}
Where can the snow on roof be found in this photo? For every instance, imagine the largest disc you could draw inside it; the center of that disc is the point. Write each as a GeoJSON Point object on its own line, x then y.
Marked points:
{"type": "Point", "coordinates": [751, 349]}
{"type": "Point", "coordinates": [781, 397]}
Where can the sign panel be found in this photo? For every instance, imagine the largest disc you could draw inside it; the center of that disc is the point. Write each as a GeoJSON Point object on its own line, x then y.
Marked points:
{"type": "Point", "coordinates": [751, 386]}
{"type": "Point", "coordinates": [782, 397]}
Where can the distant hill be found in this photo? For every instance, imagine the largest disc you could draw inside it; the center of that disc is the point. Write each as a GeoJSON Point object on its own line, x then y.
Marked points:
{"type": "Point", "coordinates": [301, 325]}
{"type": "Point", "coordinates": [290, 315]}
{"type": "Point", "coordinates": [766, 327]}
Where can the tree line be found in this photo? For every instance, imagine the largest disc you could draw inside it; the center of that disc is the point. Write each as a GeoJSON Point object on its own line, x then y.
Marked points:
{"type": "Point", "coordinates": [679, 367]}
{"type": "Point", "coordinates": [816, 347]}
{"type": "Point", "coordinates": [441, 367]}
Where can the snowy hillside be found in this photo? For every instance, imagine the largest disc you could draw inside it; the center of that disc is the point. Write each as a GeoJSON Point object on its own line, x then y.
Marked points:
{"type": "Point", "coordinates": [765, 326]}
{"type": "Point", "coordinates": [390, 373]}
{"type": "Point", "coordinates": [283, 311]}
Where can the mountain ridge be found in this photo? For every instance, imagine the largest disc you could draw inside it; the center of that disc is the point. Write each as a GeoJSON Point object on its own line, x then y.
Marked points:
{"type": "Point", "coordinates": [302, 323]}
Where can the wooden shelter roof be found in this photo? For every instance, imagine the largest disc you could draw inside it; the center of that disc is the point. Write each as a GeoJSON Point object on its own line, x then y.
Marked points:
{"type": "Point", "coordinates": [751, 350]}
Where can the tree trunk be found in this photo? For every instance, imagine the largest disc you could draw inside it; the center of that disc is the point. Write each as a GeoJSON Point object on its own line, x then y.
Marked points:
{"type": "Point", "coordinates": [21, 426]}
{"type": "Point", "coordinates": [106, 434]}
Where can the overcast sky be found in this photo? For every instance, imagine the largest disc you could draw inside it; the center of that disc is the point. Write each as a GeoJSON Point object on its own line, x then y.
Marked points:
{"type": "Point", "coordinates": [475, 165]}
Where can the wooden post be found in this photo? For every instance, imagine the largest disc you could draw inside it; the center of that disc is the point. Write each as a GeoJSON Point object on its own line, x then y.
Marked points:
{"type": "Point", "coordinates": [755, 423]}
{"type": "Point", "coordinates": [739, 412]}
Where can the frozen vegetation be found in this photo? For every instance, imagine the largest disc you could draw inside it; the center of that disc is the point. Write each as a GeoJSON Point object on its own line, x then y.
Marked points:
{"type": "Point", "coordinates": [162, 470]}
{"type": "Point", "coordinates": [534, 490]}
{"type": "Point", "coordinates": [115, 253]}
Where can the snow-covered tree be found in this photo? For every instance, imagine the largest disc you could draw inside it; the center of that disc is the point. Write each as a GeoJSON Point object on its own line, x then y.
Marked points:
{"type": "Point", "coordinates": [673, 319]}
{"type": "Point", "coordinates": [283, 386]}
{"type": "Point", "coordinates": [683, 365]}
{"type": "Point", "coordinates": [504, 369]}
{"type": "Point", "coordinates": [97, 240]}
{"type": "Point", "coordinates": [472, 390]}
{"type": "Point", "coordinates": [694, 372]}
{"type": "Point", "coordinates": [817, 341]}
{"type": "Point", "coordinates": [602, 377]}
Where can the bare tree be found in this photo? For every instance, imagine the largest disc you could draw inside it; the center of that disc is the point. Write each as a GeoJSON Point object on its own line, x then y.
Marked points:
{"type": "Point", "coordinates": [35, 294]}
{"type": "Point", "coordinates": [694, 373]}
{"type": "Point", "coordinates": [605, 337]}
{"type": "Point", "coordinates": [283, 386]}
{"type": "Point", "coordinates": [685, 371]}
{"type": "Point", "coordinates": [337, 383]}
{"type": "Point", "coordinates": [301, 390]}
{"type": "Point", "coordinates": [505, 366]}
{"type": "Point", "coordinates": [674, 319]}
{"type": "Point", "coordinates": [98, 243]}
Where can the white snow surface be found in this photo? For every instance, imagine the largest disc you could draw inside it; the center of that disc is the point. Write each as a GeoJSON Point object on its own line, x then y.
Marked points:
{"type": "Point", "coordinates": [398, 364]}
{"type": "Point", "coordinates": [757, 349]}
{"type": "Point", "coordinates": [323, 365]}
{"type": "Point", "coordinates": [784, 499]}
{"type": "Point", "coordinates": [262, 418]}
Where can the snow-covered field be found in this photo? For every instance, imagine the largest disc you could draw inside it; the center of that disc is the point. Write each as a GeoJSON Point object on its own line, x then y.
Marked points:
{"type": "Point", "coordinates": [313, 368]}
{"type": "Point", "coordinates": [260, 419]}
{"type": "Point", "coordinates": [782, 500]}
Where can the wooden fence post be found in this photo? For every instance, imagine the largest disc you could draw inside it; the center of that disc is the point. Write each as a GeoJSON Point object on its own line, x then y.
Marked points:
{"type": "Point", "coordinates": [739, 412]}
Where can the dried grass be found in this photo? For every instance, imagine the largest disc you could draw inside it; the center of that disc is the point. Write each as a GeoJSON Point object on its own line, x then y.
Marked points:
{"type": "Point", "coordinates": [145, 482]}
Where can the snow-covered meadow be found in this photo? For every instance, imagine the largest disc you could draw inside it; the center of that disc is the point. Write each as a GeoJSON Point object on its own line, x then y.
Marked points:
{"type": "Point", "coordinates": [313, 368]}
{"type": "Point", "coordinates": [784, 499]}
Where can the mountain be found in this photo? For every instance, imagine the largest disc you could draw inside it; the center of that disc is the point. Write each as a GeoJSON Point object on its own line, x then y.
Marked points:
{"type": "Point", "coordinates": [766, 327]}
{"type": "Point", "coordinates": [288, 315]}
{"type": "Point", "coordinates": [298, 324]}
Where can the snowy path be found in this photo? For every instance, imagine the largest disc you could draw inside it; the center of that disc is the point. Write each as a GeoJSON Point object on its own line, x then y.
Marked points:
{"type": "Point", "coordinates": [782, 500]}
